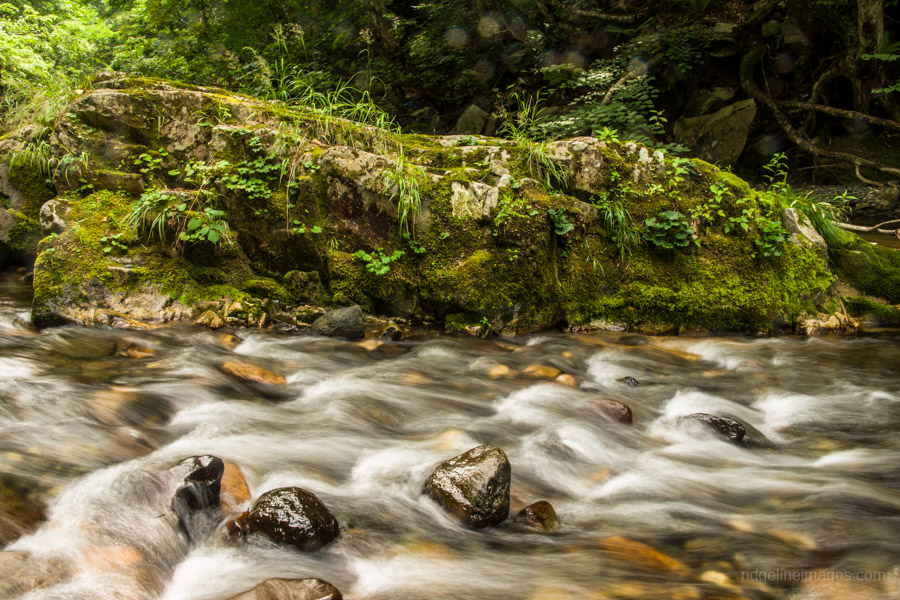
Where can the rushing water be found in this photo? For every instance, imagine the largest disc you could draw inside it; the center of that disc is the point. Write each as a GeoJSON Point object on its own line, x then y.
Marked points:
{"type": "Point", "coordinates": [92, 419]}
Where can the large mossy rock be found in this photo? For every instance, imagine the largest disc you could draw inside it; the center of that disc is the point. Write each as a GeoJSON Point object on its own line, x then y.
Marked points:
{"type": "Point", "coordinates": [490, 244]}
{"type": "Point", "coordinates": [473, 487]}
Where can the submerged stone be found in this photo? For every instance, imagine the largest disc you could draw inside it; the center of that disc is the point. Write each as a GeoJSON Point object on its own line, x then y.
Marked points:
{"type": "Point", "coordinates": [344, 322]}
{"type": "Point", "coordinates": [539, 516]}
{"type": "Point", "coordinates": [253, 373]}
{"type": "Point", "coordinates": [292, 589]}
{"type": "Point", "coordinates": [473, 487]}
{"type": "Point", "coordinates": [618, 411]}
{"type": "Point", "coordinates": [728, 429]}
{"type": "Point", "coordinates": [294, 516]}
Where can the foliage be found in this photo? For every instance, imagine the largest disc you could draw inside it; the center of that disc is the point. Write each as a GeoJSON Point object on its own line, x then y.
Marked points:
{"type": "Point", "coordinates": [519, 127]}
{"type": "Point", "coordinates": [378, 262]}
{"type": "Point", "coordinates": [616, 223]}
{"type": "Point", "coordinates": [402, 181]}
{"type": "Point", "coordinates": [669, 229]}
{"type": "Point", "coordinates": [561, 225]}
{"type": "Point", "coordinates": [183, 213]}
{"type": "Point", "coordinates": [616, 97]}
{"type": "Point", "coordinates": [822, 215]}
{"type": "Point", "coordinates": [47, 51]}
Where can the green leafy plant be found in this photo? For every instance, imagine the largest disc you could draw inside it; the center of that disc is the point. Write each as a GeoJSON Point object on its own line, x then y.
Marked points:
{"type": "Point", "coordinates": [561, 225]}
{"type": "Point", "coordinates": [113, 243]}
{"type": "Point", "coordinates": [519, 127]}
{"type": "Point", "coordinates": [205, 226]}
{"type": "Point", "coordinates": [378, 262]}
{"type": "Point", "coordinates": [402, 182]}
{"type": "Point", "coordinates": [669, 229]}
{"type": "Point", "coordinates": [415, 246]}
{"type": "Point", "coordinates": [183, 213]}
{"type": "Point", "coordinates": [148, 162]}
{"type": "Point", "coordinates": [617, 224]}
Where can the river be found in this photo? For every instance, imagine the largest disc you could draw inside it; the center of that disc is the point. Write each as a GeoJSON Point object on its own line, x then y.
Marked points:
{"type": "Point", "coordinates": [92, 419]}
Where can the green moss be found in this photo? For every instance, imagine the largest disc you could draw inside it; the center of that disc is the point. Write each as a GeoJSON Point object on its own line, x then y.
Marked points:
{"type": "Point", "coordinates": [33, 184]}
{"type": "Point", "coordinates": [873, 270]}
{"type": "Point", "coordinates": [883, 314]}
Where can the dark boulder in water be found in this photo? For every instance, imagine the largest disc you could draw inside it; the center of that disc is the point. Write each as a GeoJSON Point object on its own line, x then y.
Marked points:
{"type": "Point", "coordinates": [196, 500]}
{"type": "Point", "coordinates": [728, 429]}
{"type": "Point", "coordinates": [473, 487]}
{"type": "Point", "coordinates": [344, 322]}
{"type": "Point", "coordinates": [293, 516]}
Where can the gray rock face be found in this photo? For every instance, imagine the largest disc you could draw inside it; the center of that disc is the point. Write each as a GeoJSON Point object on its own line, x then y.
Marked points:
{"type": "Point", "coordinates": [791, 220]}
{"type": "Point", "coordinates": [53, 216]}
{"type": "Point", "coordinates": [721, 136]}
{"type": "Point", "coordinates": [473, 487]}
{"type": "Point", "coordinates": [293, 516]}
{"type": "Point", "coordinates": [292, 589]}
{"type": "Point", "coordinates": [344, 322]}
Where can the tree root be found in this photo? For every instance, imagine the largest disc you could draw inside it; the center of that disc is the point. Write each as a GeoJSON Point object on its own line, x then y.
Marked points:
{"type": "Point", "coordinates": [877, 228]}
{"type": "Point", "coordinates": [748, 66]}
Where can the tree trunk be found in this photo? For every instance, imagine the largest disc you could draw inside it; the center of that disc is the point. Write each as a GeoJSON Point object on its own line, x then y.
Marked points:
{"type": "Point", "coordinates": [870, 26]}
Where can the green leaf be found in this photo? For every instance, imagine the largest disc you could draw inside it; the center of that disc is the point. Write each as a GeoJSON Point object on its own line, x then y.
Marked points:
{"type": "Point", "coordinates": [194, 224]}
{"type": "Point", "coordinates": [213, 236]}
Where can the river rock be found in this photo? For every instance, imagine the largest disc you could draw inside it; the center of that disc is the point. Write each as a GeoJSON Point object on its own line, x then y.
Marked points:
{"type": "Point", "coordinates": [642, 555]}
{"type": "Point", "coordinates": [20, 573]}
{"type": "Point", "coordinates": [539, 516]}
{"type": "Point", "coordinates": [197, 498]}
{"type": "Point", "coordinates": [566, 379]}
{"type": "Point", "coordinates": [391, 332]}
{"type": "Point", "coordinates": [234, 491]}
{"type": "Point", "coordinates": [293, 516]}
{"type": "Point", "coordinates": [20, 508]}
{"type": "Point", "coordinates": [541, 372]}
{"type": "Point", "coordinates": [119, 406]}
{"type": "Point", "coordinates": [292, 589]}
{"type": "Point", "coordinates": [252, 373]}
{"type": "Point", "coordinates": [344, 322]}
{"type": "Point", "coordinates": [473, 487]}
{"type": "Point", "coordinates": [728, 429]}
{"type": "Point", "coordinates": [613, 409]}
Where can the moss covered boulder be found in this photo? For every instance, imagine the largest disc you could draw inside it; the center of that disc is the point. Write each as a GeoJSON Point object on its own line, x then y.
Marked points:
{"type": "Point", "coordinates": [184, 203]}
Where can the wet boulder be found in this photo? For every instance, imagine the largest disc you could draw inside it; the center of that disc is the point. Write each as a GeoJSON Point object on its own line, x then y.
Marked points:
{"type": "Point", "coordinates": [728, 429]}
{"type": "Point", "coordinates": [196, 500]}
{"type": "Point", "coordinates": [618, 411]}
{"type": "Point", "coordinates": [344, 322]}
{"type": "Point", "coordinates": [538, 517]}
{"type": "Point", "coordinates": [293, 516]}
{"type": "Point", "coordinates": [473, 487]}
{"type": "Point", "coordinates": [292, 589]}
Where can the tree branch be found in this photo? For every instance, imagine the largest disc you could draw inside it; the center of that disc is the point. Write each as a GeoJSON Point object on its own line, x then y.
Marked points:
{"type": "Point", "coordinates": [840, 112]}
